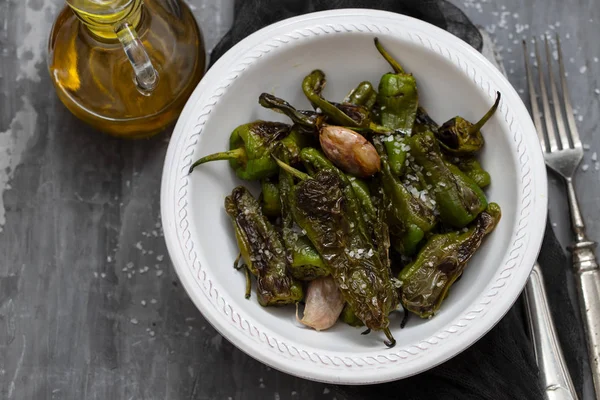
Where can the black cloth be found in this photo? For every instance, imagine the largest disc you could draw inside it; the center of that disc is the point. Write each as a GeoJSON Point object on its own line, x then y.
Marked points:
{"type": "Point", "coordinates": [501, 365]}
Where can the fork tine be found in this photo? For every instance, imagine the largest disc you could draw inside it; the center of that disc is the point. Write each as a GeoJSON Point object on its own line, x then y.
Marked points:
{"type": "Point", "coordinates": [558, 116]}
{"type": "Point", "coordinates": [535, 110]}
{"type": "Point", "coordinates": [567, 100]}
{"type": "Point", "coordinates": [545, 103]}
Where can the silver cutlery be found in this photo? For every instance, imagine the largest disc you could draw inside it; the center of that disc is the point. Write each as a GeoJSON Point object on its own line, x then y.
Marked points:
{"type": "Point", "coordinates": [563, 153]}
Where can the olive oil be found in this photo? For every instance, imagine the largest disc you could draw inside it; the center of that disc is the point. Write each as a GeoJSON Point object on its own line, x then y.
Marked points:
{"type": "Point", "coordinates": [94, 72]}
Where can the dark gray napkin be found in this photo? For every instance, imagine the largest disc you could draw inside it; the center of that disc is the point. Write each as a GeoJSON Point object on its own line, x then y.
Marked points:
{"type": "Point", "coordinates": [501, 365]}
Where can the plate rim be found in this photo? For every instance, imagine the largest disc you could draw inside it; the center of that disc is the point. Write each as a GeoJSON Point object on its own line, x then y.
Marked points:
{"type": "Point", "coordinates": [346, 374]}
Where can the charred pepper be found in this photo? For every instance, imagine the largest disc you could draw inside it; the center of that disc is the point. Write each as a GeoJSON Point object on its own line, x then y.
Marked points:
{"type": "Point", "coordinates": [269, 198]}
{"type": "Point", "coordinates": [363, 95]}
{"type": "Point", "coordinates": [471, 167]}
{"type": "Point", "coordinates": [308, 120]}
{"type": "Point", "coordinates": [409, 217]}
{"type": "Point", "coordinates": [305, 262]}
{"type": "Point", "coordinates": [250, 150]}
{"type": "Point", "coordinates": [262, 250]}
{"type": "Point", "coordinates": [363, 278]}
{"type": "Point", "coordinates": [398, 101]}
{"type": "Point", "coordinates": [346, 114]}
{"type": "Point", "coordinates": [427, 280]}
{"type": "Point", "coordinates": [459, 199]}
{"type": "Point", "coordinates": [461, 137]}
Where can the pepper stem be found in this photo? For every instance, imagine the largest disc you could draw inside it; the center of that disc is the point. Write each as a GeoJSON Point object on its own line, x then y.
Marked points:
{"type": "Point", "coordinates": [248, 283]}
{"type": "Point", "coordinates": [236, 154]}
{"type": "Point", "coordinates": [486, 117]}
{"type": "Point", "coordinates": [274, 103]}
{"type": "Point", "coordinates": [236, 263]}
{"type": "Point", "coordinates": [404, 319]}
{"type": "Point", "coordinates": [391, 342]}
{"type": "Point", "coordinates": [298, 174]}
{"type": "Point", "coordinates": [393, 63]}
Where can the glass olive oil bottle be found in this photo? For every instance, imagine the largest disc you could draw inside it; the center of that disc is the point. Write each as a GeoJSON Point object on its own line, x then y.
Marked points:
{"type": "Point", "coordinates": [126, 67]}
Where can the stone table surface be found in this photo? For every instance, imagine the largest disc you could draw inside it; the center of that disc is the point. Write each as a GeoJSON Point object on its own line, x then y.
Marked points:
{"type": "Point", "coordinates": [77, 207]}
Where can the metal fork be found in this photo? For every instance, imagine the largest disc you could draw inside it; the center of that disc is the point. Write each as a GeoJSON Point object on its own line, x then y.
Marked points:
{"type": "Point", "coordinates": [563, 153]}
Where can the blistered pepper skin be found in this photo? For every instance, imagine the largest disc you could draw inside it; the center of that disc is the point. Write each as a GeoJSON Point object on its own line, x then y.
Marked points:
{"type": "Point", "coordinates": [427, 280]}
{"type": "Point", "coordinates": [250, 147]}
{"type": "Point", "coordinates": [459, 199]}
{"type": "Point", "coordinates": [334, 229]}
{"type": "Point", "coordinates": [262, 250]}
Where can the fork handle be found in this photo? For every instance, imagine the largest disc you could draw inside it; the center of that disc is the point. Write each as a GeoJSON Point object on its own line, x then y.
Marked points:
{"type": "Point", "coordinates": [588, 288]}
{"type": "Point", "coordinates": [554, 374]}
{"type": "Point", "coordinates": [587, 275]}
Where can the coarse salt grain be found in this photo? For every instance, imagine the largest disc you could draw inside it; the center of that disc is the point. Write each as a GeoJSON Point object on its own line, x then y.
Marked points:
{"type": "Point", "coordinates": [143, 303]}
{"type": "Point", "coordinates": [597, 91]}
{"type": "Point", "coordinates": [580, 118]}
{"type": "Point", "coordinates": [153, 301]}
{"type": "Point", "coordinates": [133, 321]}
{"type": "Point", "coordinates": [582, 69]}
{"type": "Point", "coordinates": [597, 166]}
{"type": "Point", "coordinates": [95, 274]}
{"type": "Point", "coordinates": [159, 272]}
{"type": "Point", "coordinates": [586, 146]}
{"type": "Point", "coordinates": [160, 257]}
{"type": "Point", "coordinates": [594, 156]}
{"type": "Point", "coordinates": [103, 275]}
{"type": "Point", "coordinates": [585, 167]}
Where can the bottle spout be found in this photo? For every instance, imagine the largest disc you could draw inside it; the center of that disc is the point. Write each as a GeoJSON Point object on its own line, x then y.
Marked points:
{"type": "Point", "coordinates": [146, 76]}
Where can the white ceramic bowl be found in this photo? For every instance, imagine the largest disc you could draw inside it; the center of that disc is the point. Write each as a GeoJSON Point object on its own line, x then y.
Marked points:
{"type": "Point", "coordinates": [452, 79]}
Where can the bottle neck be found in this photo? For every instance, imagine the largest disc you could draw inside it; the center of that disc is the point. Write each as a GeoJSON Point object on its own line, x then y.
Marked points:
{"type": "Point", "coordinates": [106, 24]}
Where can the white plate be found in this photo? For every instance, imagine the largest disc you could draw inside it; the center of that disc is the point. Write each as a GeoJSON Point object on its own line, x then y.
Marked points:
{"type": "Point", "coordinates": [452, 79]}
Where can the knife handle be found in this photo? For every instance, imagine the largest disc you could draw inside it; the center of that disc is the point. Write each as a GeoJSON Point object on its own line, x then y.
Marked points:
{"type": "Point", "coordinates": [587, 277]}
{"type": "Point", "coordinates": [554, 374]}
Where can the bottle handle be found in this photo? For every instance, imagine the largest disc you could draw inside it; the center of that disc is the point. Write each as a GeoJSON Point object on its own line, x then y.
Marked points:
{"type": "Point", "coordinates": [146, 76]}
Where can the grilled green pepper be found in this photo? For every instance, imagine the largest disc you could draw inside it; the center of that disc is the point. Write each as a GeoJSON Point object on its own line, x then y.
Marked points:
{"type": "Point", "coordinates": [410, 218]}
{"type": "Point", "coordinates": [398, 101]}
{"type": "Point", "coordinates": [363, 95]}
{"type": "Point", "coordinates": [250, 150]}
{"type": "Point", "coordinates": [427, 280]}
{"type": "Point", "coordinates": [459, 199]}
{"type": "Point", "coordinates": [269, 195]}
{"type": "Point", "coordinates": [348, 316]}
{"type": "Point", "coordinates": [459, 136]}
{"type": "Point", "coordinates": [346, 114]}
{"type": "Point", "coordinates": [355, 190]}
{"type": "Point", "coordinates": [262, 250]}
{"type": "Point", "coordinates": [471, 167]}
{"type": "Point", "coordinates": [305, 263]}
{"type": "Point", "coordinates": [333, 225]}
{"type": "Point", "coordinates": [306, 119]}
{"type": "Point", "coordinates": [397, 98]}
{"type": "Point", "coordinates": [424, 122]}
